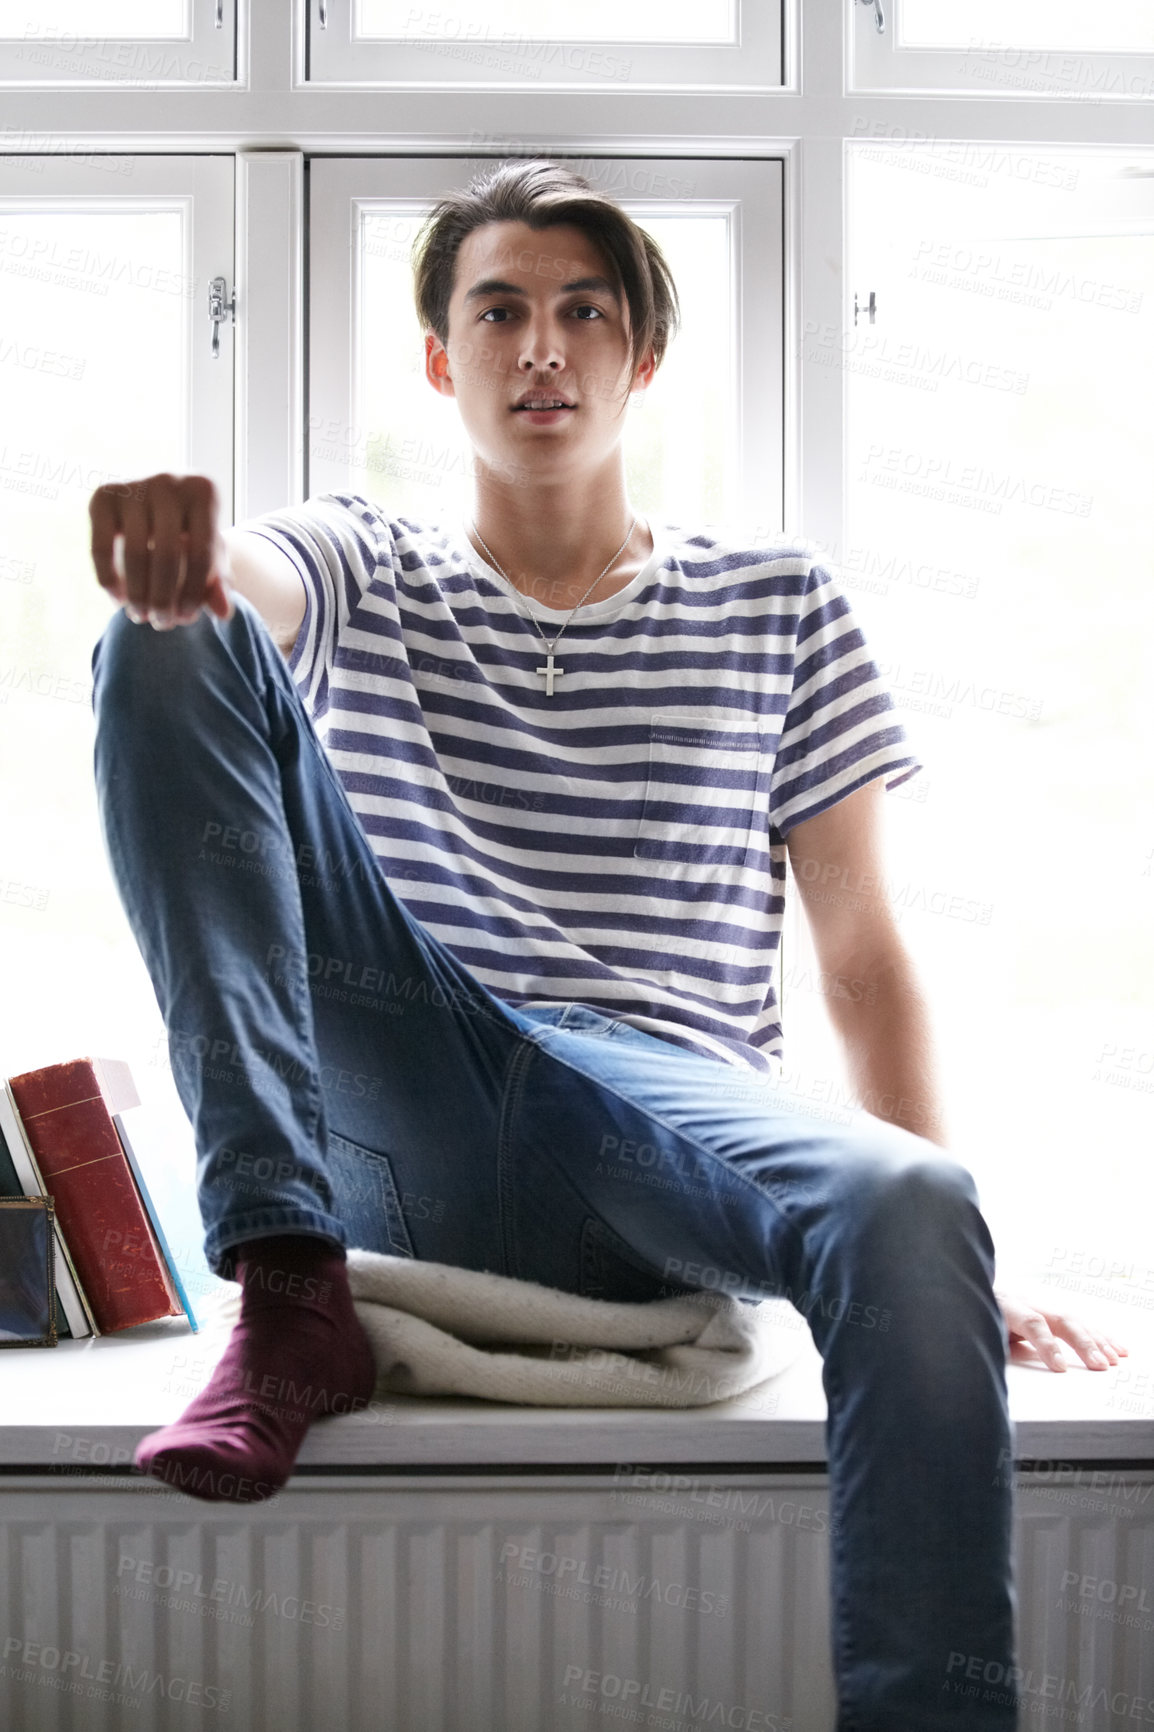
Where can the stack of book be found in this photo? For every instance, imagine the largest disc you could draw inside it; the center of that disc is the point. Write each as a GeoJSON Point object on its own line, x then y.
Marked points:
{"type": "Point", "coordinates": [62, 1136]}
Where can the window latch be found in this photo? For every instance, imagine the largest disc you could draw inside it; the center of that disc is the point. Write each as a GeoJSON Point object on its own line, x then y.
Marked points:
{"type": "Point", "coordinates": [870, 307]}
{"type": "Point", "coordinates": [220, 14]}
{"type": "Point", "coordinates": [218, 308]}
{"type": "Point", "coordinates": [323, 14]}
{"type": "Point", "coordinates": [879, 15]}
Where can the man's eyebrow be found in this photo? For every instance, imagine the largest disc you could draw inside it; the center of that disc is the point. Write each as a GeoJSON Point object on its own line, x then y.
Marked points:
{"type": "Point", "coordinates": [497, 286]}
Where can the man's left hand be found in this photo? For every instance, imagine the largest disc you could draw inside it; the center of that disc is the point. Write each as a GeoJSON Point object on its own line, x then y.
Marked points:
{"type": "Point", "coordinates": [1034, 1333]}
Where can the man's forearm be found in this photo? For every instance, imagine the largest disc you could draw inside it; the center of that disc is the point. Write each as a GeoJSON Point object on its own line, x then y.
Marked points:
{"type": "Point", "coordinates": [888, 1039]}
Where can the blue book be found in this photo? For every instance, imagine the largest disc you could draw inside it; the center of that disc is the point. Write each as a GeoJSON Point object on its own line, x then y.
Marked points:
{"type": "Point", "coordinates": [27, 1288]}
{"type": "Point", "coordinates": [154, 1219]}
{"type": "Point", "coordinates": [20, 1177]}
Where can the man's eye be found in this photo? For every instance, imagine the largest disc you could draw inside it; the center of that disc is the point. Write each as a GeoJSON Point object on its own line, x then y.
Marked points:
{"type": "Point", "coordinates": [587, 307]}
{"type": "Point", "coordinates": [500, 312]}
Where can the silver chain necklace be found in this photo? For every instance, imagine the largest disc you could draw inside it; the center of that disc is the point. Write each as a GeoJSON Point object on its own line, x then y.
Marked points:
{"type": "Point", "coordinates": [550, 671]}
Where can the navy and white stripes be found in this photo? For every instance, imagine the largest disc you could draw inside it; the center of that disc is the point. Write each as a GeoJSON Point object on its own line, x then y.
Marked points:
{"type": "Point", "coordinates": [621, 843]}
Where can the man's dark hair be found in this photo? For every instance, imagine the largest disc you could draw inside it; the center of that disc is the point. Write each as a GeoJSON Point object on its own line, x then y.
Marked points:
{"type": "Point", "coordinates": [544, 194]}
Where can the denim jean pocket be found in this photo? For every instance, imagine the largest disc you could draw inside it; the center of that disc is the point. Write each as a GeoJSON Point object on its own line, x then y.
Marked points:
{"type": "Point", "coordinates": [611, 1269]}
{"type": "Point", "coordinates": [366, 1199]}
{"type": "Point", "coordinates": [707, 793]}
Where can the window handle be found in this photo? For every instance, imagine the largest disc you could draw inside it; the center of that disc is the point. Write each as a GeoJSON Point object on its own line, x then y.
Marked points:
{"type": "Point", "coordinates": [218, 307]}
{"type": "Point", "coordinates": [323, 14]}
{"type": "Point", "coordinates": [879, 15]}
{"type": "Point", "coordinates": [870, 307]}
{"type": "Point", "coordinates": [220, 14]}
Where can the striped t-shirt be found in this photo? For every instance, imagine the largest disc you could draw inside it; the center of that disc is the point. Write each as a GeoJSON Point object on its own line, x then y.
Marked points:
{"type": "Point", "coordinates": [620, 844]}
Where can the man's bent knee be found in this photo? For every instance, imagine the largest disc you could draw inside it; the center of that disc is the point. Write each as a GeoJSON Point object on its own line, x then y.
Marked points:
{"type": "Point", "coordinates": [913, 1180]}
{"type": "Point", "coordinates": [145, 657]}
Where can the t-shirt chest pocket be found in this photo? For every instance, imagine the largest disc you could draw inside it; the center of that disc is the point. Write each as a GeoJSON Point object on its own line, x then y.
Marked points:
{"type": "Point", "coordinates": [707, 793]}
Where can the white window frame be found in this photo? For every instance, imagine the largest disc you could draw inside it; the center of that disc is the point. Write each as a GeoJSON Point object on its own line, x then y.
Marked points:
{"type": "Point", "coordinates": [273, 124]}
{"type": "Point", "coordinates": [54, 58]}
{"type": "Point", "coordinates": [501, 60]}
{"type": "Point", "coordinates": [749, 194]}
{"type": "Point", "coordinates": [883, 63]}
{"type": "Point", "coordinates": [270, 350]}
{"type": "Point", "coordinates": [810, 126]}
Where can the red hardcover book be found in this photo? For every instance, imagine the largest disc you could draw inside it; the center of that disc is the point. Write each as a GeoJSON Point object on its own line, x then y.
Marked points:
{"type": "Point", "coordinates": [67, 1113]}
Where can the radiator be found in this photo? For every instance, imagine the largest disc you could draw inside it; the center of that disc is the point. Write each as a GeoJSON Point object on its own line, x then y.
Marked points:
{"type": "Point", "coordinates": [519, 1603]}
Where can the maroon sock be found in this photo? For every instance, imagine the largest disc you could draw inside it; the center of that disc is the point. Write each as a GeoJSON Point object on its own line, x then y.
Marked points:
{"type": "Point", "coordinates": [298, 1352]}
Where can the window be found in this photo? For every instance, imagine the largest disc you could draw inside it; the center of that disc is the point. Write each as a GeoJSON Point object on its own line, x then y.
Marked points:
{"type": "Point", "coordinates": [796, 161]}
{"type": "Point", "coordinates": [127, 43]}
{"type": "Point", "coordinates": [998, 532]}
{"type": "Point", "coordinates": [107, 373]}
{"type": "Point", "coordinates": [602, 45]}
{"type": "Point", "coordinates": [706, 439]}
{"type": "Point", "coordinates": [1009, 48]}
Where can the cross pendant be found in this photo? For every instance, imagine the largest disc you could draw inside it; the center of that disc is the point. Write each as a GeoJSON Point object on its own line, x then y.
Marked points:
{"type": "Point", "coordinates": [550, 673]}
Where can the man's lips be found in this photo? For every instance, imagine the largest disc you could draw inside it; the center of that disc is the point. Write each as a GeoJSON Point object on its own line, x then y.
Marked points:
{"type": "Point", "coordinates": [542, 403]}
{"type": "Point", "coordinates": [542, 416]}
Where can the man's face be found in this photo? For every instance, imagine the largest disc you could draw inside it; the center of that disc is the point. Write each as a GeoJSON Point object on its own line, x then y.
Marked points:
{"type": "Point", "coordinates": [534, 318]}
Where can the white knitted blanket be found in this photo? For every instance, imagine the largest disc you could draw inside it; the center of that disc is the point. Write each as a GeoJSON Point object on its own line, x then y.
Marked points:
{"type": "Point", "coordinates": [439, 1330]}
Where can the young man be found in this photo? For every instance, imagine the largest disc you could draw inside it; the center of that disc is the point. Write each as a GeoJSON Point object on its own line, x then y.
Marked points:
{"type": "Point", "coordinates": [519, 916]}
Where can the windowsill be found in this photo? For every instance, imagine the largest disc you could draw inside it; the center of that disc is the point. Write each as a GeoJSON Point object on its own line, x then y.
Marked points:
{"type": "Point", "coordinates": [84, 1405]}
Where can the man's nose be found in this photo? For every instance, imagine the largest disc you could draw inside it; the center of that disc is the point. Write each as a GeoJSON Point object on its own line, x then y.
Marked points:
{"type": "Point", "coordinates": [542, 348]}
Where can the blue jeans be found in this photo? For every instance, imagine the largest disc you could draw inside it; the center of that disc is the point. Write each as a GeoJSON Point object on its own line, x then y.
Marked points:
{"type": "Point", "coordinates": [346, 1076]}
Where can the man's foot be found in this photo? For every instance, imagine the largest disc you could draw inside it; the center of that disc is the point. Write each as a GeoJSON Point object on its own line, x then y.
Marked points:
{"type": "Point", "coordinates": [297, 1353]}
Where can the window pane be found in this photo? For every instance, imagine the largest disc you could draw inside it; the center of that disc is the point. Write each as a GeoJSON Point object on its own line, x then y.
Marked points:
{"type": "Point", "coordinates": [409, 451]}
{"type": "Point", "coordinates": [135, 19]}
{"type": "Point", "coordinates": [550, 20]}
{"type": "Point", "coordinates": [1108, 26]}
{"type": "Point", "coordinates": [93, 372]}
{"type": "Point", "coordinates": [999, 537]}
{"type": "Point", "coordinates": [94, 378]}
{"type": "Point", "coordinates": [682, 456]}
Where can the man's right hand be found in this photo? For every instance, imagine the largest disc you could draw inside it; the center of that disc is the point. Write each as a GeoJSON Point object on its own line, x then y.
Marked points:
{"type": "Point", "coordinates": [173, 559]}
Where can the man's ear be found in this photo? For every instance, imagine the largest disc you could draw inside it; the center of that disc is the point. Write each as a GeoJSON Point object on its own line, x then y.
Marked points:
{"type": "Point", "coordinates": [437, 365]}
{"type": "Point", "coordinates": [644, 375]}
